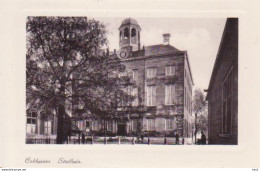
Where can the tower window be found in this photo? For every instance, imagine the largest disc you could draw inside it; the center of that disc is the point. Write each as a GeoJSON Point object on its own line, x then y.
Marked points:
{"type": "Point", "coordinates": [126, 33]}
{"type": "Point", "coordinates": [133, 32]}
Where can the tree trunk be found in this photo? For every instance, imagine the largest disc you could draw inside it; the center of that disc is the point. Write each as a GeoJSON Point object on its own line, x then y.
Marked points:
{"type": "Point", "coordinates": [61, 113]}
{"type": "Point", "coordinates": [60, 130]}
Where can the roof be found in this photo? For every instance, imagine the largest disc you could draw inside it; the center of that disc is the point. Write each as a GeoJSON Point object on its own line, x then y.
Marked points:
{"type": "Point", "coordinates": [231, 26]}
{"type": "Point", "coordinates": [159, 50]}
{"type": "Point", "coordinates": [129, 21]}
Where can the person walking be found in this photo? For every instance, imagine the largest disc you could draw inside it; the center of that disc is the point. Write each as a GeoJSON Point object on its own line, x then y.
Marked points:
{"type": "Point", "coordinates": [142, 138]}
{"type": "Point", "coordinates": [83, 138]}
{"type": "Point", "coordinates": [203, 138]}
{"type": "Point", "coordinates": [177, 138]}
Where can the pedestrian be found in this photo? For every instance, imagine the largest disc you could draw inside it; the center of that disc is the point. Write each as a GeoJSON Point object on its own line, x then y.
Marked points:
{"type": "Point", "coordinates": [203, 138]}
{"type": "Point", "coordinates": [177, 138]}
{"type": "Point", "coordinates": [83, 138]}
{"type": "Point", "coordinates": [142, 137]}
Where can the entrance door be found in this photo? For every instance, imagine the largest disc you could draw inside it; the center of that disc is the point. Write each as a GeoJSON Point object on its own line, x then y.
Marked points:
{"type": "Point", "coordinates": [121, 129]}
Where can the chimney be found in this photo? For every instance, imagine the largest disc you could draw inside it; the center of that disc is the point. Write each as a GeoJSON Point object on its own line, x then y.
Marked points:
{"type": "Point", "coordinates": [166, 38]}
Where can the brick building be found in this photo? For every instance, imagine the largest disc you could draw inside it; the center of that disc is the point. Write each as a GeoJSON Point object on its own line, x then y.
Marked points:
{"type": "Point", "coordinates": [163, 86]}
{"type": "Point", "coordinates": [222, 93]}
{"type": "Point", "coordinates": [162, 83]}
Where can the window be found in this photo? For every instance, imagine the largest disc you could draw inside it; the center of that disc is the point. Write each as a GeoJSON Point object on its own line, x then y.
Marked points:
{"type": "Point", "coordinates": [151, 95]}
{"type": "Point", "coordinates": [81, 124]}
{"type": "Point", "coordinates": [170, 70]}
{"type": "Point", "coordinates": [227, 88]}
{"type": "Point", "coordinates": [134, 92]}
{"type": "Point", "coordinates": [150, 124]}
{"type": "Point", "coordinates": [134, 125]}
{"type": "Point", "coordinates": [133, 32]}
{"type": "Point", "coordinates": [151, 72]}
{"type": "Point", "coordinates": [31, 122]}
{"type": "Point", "coordinates": [109, 125]}
{"type": "Point", "coordinates": [169, 94]}
{"type": "Point", "coordinates": [135, 74]}
{"type": "Point", "coordinates": [169, 124]}
{"type": "Point", "coordinates": [47, 127]}
{"type": "Point", "coordinates": [126, 33]}
{"type": "Point", "coordinates": [95, 125]}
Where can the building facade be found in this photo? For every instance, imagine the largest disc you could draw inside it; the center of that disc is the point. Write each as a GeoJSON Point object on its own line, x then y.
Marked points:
{"type": "Point", "coordinates": [222, 93]}
{"type": "Point", "coordinates": [161, 81]}
{"type": "Point", "coordinates": [162, 84]}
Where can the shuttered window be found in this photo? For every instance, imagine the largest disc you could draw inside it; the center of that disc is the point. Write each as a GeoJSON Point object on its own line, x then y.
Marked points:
{"type": "Point", "coordinates": [170, 94]}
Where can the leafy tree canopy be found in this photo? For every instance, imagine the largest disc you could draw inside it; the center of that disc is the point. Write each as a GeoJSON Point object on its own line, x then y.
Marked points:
{"type": "Point", "coordinates": [65, 65]}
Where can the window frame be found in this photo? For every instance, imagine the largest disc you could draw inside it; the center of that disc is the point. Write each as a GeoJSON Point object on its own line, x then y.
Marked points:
{"type": "Point", "coordinates": [171, 95]}
{"type": "Point", "coordinates": [109, 126]}
{"type": "Point", "coordinates": [95, 127]}
{"type": "Point", "coordinates": [135, 74]}
{"type": "Point", "coordinates": [48, 127]}
{"type": "Point", "coordinates": [172, 70]}
{"type": "Point", "coordinates": [134, 121]}
{"type": "Point", "coordinates": [169, 124]}
{"type": "Point", "coordinates": [150, 124]}
{"type": "Point", "coordinates": [152, 97]}
{"type": "Point", "coordinates": [151, 74]}
{"type": "Point", "coordinates": [31, 118]}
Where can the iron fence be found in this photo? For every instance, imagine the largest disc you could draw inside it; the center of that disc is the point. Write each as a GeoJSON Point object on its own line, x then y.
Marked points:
{"type": "Point", "coordinates": [110, 140]}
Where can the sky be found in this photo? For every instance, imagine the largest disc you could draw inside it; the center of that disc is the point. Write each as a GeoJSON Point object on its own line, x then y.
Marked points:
{"type": "Point", "coordinates": [200, 37]}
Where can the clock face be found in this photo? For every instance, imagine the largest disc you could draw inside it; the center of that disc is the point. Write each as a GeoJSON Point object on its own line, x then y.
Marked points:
{"type": "Point", "coordinates": [123, 54]}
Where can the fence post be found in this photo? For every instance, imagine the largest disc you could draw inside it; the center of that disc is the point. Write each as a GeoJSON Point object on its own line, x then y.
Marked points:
{"type": "Point", "coordinates": [34, 140]}
{"type": "Point", "coordinates": [105, 140]}
{"type": "Point", "coordinates": [148, 140]}
{"type": "Point", "coordinates": [165, 141]}
{"type": "Point", "coordinates": [49, 140]}
{"type": "Point", "coordinates": [91, 140]}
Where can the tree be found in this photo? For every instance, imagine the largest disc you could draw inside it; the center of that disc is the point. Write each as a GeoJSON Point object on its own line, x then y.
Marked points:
{"type": "Point", "coordinates": [199, 109]}
{"type": "Point", "coordinates": [65, 66]}
{"type": "Point", "coordinates": [202, 120]}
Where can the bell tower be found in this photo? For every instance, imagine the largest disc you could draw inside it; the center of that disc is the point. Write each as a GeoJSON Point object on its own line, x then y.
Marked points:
{"type": "Point", "coordinates": [129, 35]}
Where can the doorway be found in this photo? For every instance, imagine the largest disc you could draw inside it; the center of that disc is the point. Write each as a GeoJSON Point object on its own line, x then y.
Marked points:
{"type": "Point", "coordinates": [121, 129]}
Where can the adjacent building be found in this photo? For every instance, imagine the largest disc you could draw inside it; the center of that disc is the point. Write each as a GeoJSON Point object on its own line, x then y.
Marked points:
{"type": "Point", "coordinates": [222, 93]}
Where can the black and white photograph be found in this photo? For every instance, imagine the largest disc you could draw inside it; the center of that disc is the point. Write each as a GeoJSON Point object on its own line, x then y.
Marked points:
{"type": "Point", "coordinates": [131, 81]}
{"type": "Point", "coordinates": [129, 84]}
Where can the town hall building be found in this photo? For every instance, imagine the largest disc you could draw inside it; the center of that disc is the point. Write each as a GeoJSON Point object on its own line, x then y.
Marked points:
{"type": "Point", "coordinates": [161, 82]}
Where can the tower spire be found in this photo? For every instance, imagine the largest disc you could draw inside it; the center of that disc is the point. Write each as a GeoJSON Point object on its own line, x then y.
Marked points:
{"type": "Point", "coordinates": [129, 35]}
